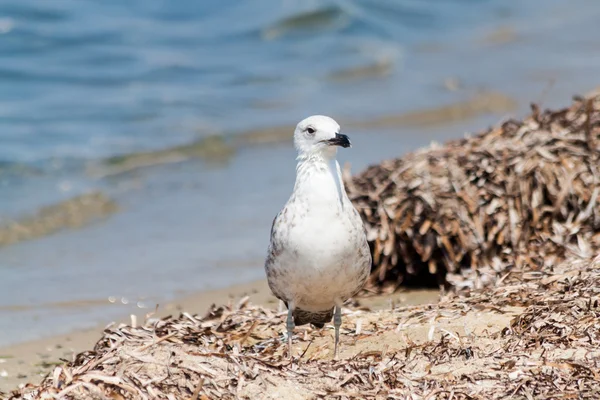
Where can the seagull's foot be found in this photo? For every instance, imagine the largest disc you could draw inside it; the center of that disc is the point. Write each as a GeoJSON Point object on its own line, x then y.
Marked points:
{"type": "Point", "coordinates": [290, 352]}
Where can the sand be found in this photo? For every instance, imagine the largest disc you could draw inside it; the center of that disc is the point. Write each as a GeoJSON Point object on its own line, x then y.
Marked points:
{"type": "Point", "coordinates": [534, 335]}
{"type": "Point", "coordinates": [29, 362]}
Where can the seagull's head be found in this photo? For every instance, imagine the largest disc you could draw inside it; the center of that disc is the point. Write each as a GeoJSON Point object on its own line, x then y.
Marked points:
{"type": "Point", "coordinates": [319, 135]}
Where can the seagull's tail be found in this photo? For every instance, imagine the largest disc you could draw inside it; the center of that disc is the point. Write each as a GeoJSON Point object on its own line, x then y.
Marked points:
{"type": "Point", "coordinates": [318, 319]}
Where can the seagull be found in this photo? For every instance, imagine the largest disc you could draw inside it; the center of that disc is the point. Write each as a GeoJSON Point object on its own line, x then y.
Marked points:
{"type": "Point", "coordinates": [318, 256]}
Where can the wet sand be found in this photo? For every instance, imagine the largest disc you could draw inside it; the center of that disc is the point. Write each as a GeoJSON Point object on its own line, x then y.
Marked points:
{"type": "Point", "coordinates": [29, 362]}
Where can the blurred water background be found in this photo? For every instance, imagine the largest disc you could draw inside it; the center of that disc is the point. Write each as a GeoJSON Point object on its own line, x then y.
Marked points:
{"type": "Point", "coordinates": [178, 116]}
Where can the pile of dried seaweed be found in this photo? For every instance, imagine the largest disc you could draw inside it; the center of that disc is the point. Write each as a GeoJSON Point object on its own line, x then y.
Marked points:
{"type": "Point", "coordinates": [535, 335]}
{"type": "Point", "coordinates": [515, 195]}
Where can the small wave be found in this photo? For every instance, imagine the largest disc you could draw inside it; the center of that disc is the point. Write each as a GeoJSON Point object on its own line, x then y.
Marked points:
{"type": "Point", "coordinates": [73, 213]}
{"type": "Point", "coordinates": [214, 148]}
{"type": "Point", "coordinates": [35, 13]}
{"type": "Point", "coordinates": [307, 22]}
{"type": "Point", "coordinates": [10, 169]}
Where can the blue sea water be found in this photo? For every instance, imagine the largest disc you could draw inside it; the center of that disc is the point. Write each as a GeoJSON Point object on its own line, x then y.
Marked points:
{"type": "Point", "coordinates": [92, 78]}
{"type": "Point", "coordinates": [82, 80]}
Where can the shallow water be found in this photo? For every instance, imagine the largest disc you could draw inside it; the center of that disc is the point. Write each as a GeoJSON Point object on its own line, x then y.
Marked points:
{"type": "Point", "coordinates": [81, 81]}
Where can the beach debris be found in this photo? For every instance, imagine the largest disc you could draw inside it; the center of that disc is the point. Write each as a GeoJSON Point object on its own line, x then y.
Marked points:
{"type": "Point", "coordinates": [534, 335]}
{"type": "Point", "coordinates": [522, 193]}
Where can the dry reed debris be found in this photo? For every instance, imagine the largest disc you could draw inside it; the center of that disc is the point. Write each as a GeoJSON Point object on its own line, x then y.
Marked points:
{"type": "Point", "coordinates": [536, 335]}
{"type": "Point", "coordinates": [522, 193]}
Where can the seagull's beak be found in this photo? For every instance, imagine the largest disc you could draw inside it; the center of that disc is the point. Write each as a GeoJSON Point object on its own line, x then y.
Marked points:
{"type": "Point", "coordinates": [339, 140]}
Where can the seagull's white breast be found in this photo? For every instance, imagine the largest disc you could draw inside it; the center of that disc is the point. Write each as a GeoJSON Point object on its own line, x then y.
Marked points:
{"type": "Point", "coordinates": [319, 255]}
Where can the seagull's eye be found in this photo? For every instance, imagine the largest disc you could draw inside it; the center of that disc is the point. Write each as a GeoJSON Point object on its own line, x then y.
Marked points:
{"type": "Point", "coordinates": [310, 130]}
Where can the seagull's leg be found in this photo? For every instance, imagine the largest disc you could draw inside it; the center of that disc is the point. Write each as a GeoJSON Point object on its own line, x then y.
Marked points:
{"type": "Point", "coordinates": [337, 322]}
{"type": "Point", "coordinates": [290, 328]}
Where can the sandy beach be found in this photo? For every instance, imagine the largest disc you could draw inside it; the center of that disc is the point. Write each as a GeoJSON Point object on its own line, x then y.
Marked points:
{"type": "Point", "coordinates": [533, 337]}
{"type": "Point", "coordinates": [128, 182]}
{"type": "Point", "coordinates": [521, 320]}
{"type": "Point", "coordinates": [145, 148]}
{"type": "Point", "coordinates": [29, 362]}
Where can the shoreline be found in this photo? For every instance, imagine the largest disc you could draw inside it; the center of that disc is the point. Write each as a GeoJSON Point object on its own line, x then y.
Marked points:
{"type": "Point", "coordinates": [30, 361]}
